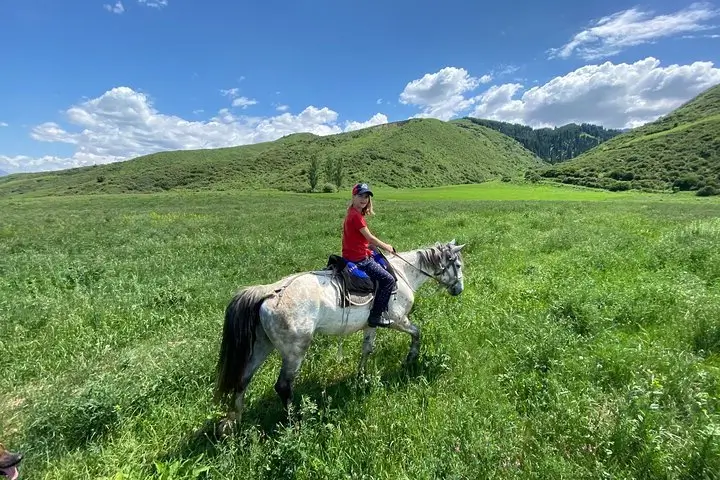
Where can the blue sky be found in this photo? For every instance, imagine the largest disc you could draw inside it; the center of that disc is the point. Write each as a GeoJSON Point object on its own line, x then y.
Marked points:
{"type": "Point", "coordinates": [98, 81]}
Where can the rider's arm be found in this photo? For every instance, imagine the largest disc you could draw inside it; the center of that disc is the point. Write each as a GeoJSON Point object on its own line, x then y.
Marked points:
{"type": "Point", "coordinates": [375, 241]}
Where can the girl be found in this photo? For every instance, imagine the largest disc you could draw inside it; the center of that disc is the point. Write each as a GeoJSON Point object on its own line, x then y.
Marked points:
{"type": "Point", "coordinates": [356, 241]}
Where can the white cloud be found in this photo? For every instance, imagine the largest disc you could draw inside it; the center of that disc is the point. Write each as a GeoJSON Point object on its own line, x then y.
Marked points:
{"type": "Point", "coordinates": [486, 79]}
{"type": "Point", "coordinates": [122, 124]}
{"type": "Point", "coordinates": [613, 95]}
{"type": "Point", "coordinates": [244, 102]}
{"type": "Point", "coordinates": [612, 34]}
{"type": "Point", "coordinates": [709, 35]}
{"type": "Point", "coordinates": [282, 108]}
{"type": "Point", "coordinates": [377, 119]}
{"type": "Point", "coordinates": [440, 94]}
{"type": "Point", "coordinates": [3, 124]}
{"type": "Point", "coordinates": [503, 70]}
{"type": "Point", "coordinates": [230, 92]}
{"type": "Point", "coordinates": [154, 3]}
{"type": "Point", "coordinates": [117, 8]}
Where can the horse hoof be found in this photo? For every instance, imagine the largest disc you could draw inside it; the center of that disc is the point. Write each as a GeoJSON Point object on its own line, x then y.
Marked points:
{"type": "Point", "coordinates": [225, 428]}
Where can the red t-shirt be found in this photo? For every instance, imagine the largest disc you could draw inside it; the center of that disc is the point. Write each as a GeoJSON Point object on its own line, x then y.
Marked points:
{"type": "Point", "coordinates": [354, 244]}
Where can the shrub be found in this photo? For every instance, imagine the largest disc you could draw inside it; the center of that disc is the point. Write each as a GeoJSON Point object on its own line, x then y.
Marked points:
{"type": "Point", "coordinates": [686, 182]}
{"type": "Point", "coordinates": [618, 186]}
{"type": "Point", "coordinates": [532, 176]}
{"type": "Point", "coordinates": [707, 191]}
{"type": "Point", "coordinates": [619, 175]}
{"type": "Point", "coordinates": [329, 188]}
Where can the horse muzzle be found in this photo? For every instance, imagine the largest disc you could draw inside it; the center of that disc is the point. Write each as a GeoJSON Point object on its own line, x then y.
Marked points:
{"type": "Point", "coordinates": [455, 289]}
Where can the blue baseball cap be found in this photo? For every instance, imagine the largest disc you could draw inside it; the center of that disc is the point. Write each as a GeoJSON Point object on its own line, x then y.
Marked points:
{"type": "Point", "coordinates": [361, 188]}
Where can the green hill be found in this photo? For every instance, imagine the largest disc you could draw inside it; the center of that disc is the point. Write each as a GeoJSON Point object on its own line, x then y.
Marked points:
{"type": "Point", "coordinates": [680, 151]}
{"type": "Point", "coordinates": [552, 144]}
{"type": "Point", "coordinates": [411, 153]}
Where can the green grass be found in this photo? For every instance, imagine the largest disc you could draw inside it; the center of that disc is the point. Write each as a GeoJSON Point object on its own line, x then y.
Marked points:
{"type": "Point", "coordinates": [679, 151]}
{"type": "Point", "coordinates": [586, 343]}
{"type": "Point", "coordinates": [512, 191]}
{"type": "Point", "coordinates": [413, 153]}
{"type": "Point", "coordinates": [679, 128]}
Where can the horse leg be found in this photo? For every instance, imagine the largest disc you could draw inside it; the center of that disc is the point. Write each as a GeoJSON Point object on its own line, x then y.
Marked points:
{"type": "Point", "coordinates": [261, 349]}
{"type": "Point", "coordinates": [292, 358]}
{"type": "Point", "coordinates": [405, 325]}
{"type": "Point", "coordinates": [367, 348]}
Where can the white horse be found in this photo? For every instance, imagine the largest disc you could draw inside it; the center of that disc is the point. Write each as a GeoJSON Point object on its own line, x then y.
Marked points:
{"type": "Point", "coordinates": [286, 314]}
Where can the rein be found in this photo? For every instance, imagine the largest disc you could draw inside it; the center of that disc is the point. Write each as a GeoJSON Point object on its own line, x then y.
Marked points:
{"type": "Point", "coordinates": [416, 268]}
{"type": "Point", "coordinates": [423, 272]}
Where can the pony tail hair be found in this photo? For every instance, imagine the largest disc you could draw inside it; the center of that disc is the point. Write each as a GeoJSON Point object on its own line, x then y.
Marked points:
{"type": "Point", "coordinates": [368, 210]}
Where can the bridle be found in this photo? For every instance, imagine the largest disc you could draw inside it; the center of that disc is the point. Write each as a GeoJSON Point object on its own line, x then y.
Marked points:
{"type": "Point", "coordinates": [436, 274]}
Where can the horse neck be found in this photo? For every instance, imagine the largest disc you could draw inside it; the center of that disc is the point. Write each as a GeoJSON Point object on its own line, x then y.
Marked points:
{"type": "Point", "coordinates": [412, 273]}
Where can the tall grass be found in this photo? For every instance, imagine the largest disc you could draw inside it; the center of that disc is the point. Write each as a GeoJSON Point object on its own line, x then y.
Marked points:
{"type": "Point", "coordinates": [585, 345]}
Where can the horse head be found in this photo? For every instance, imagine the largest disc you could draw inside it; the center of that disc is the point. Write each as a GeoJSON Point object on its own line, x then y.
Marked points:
{"type": "Point", "coordinates": [444, 263]}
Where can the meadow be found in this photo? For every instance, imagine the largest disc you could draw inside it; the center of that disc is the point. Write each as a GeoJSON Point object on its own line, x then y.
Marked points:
{"type": "Point", "coordinates": [586, 343]}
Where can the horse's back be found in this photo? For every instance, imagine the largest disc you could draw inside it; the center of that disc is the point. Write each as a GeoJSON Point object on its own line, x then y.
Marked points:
{"type": "Point", "coordinates": [309, 302]}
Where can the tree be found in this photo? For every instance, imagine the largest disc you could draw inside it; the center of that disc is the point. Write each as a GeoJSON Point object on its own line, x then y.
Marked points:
{"type": "Point", "coordinates": [314, 172]}
{"type": "Point", "coordinates": [333, 171]}
{"type": "Point", "coordinates": [338, 173]}
{"type": "Point", "coordinates": [328, 170]}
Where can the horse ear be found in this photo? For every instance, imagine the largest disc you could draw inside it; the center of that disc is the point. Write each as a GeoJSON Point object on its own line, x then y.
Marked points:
{"type": "Point", "coordinates": [458, 248]}
{"type": "Point", "coordinates": [452, 242]}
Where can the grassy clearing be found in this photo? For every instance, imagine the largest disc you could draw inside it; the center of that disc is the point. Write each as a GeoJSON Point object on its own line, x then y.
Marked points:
{"type": "Point", "coordinates": [586, 344]}
{"type": "Point", "coordinates": [510, 191]}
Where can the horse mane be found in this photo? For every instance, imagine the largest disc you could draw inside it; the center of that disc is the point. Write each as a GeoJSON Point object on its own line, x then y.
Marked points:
{"type": "Point", "coordinates": [431, 257]}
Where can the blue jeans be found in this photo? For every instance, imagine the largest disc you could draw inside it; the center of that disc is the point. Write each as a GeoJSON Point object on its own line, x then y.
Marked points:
{"type": "Point", "coordinates": [386, 283]}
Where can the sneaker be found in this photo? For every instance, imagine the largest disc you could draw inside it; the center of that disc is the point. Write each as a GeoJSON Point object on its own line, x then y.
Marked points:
{"type": "Point", "coordinates": [380, 320]}
{"type": "Point", "coordinates": [8, 463]}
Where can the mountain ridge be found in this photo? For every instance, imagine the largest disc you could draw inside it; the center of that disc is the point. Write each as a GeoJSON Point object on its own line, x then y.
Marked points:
{"type": "Point", "coordinates": [408, 153]}
{"type": "Point", "coordinates": [678, 151]}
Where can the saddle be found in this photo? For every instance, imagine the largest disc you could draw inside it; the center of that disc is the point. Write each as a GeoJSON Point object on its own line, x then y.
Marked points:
{"type": "Point", "coordinates": [354, 286]}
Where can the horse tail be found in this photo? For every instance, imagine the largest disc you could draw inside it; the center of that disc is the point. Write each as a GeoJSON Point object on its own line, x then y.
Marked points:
{"type": "Point", "coordinates": [242, 318]}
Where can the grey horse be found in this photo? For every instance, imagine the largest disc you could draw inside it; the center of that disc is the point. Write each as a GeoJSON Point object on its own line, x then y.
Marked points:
{"type": "Point", "coordinates": [285, 315]}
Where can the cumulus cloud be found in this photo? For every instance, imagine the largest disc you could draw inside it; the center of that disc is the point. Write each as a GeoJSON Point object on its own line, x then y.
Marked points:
{"type": "Point", "coordinates": [440, 94]}
{"type": "Point", "coordinates": [377, 119]}
{"type": "Point", "coordinates": [613, 95]}
{"type": "Point", "coordinates": [122, 124]}
{"type": "Point", "coordinates": [244, 102]}
{"type": "Point", "coordinates": [117, 8]}
{"type": "Point", "coordinates": [612, 34]}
